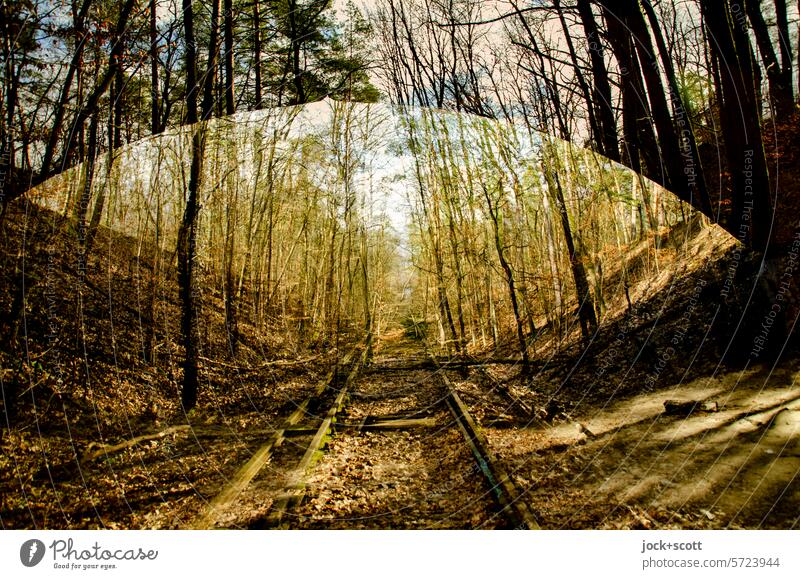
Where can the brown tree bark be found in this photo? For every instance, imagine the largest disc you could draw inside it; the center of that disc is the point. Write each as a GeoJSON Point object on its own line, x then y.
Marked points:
{"type": "Point", "coordinates": [230, 104]}
{"type": "Point", "coordinates": [637, 128]}
{"type": "Point", "coordinates": [693, 173]}
{"type": "Point", "coordinates": [187, 234]}
{"type": "Point", "coordinates": [673, 178]}
{"type": "Point", "coordinates": [257, 50]}
{"type": "Point", "coordinates": [594, 125]}
{"type": "Point", "coordinates": [741, 128]}
{"type": "Point", "coordinates": [207, 106]}
{"type": "Point", "coordinates": [601, 97]}
{"type": "Point", "coordinates": [779, 75]}
{"type": "Point", "coordinates": [155, 120]}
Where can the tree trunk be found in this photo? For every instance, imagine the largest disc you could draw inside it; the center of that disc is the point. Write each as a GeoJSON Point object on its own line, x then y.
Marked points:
{"type": "Point", "coordinates": [149, 348]}
{"type": "Point", "coordinates": [187, 234]}
{"type": "Point", "coordinates": [366, 294]}
{"type": "Point", "coordinates": [229, 284]}
{"type": "Point", "coordinates": [442, 299]}
{"type": "Point", "coordinates": [155, 122]}
{"type": "Point", "coordinates": [741, 129]}
{"type": "Point", "coordinates": [63, 97]}
{"type": "Point", "coordinates": [586, 312]}
{"type": "Point", "coordinates": [637, 128]}
{"type": "Point", "coordinates": [667, 140]}
{"type": "Point", "coordinates": [693, 175]}
{"type": "Point", "coordinates": [113, 136]}
{"type": "Point", "coordinates": [86, 190]}
{"type": "Point", "coordinates": [207, 106]}
{"type": "Point", "coordinates": [295, 50]}
{"type": "Point", "coordinates": [785, 44]}
{"type": "Point", "coordinates": [7, 125]}
{"type": "Point", "coordinates": [509, 273]}
{"type": "Point", "coordinates": [230, 105]}
{"type": "Point", "coordinates": [119, 83]}
{"type": "Point", "coordinates": [552, 260]}
{"type": "Point", "coordinates": [601, 96]}
{"type": "Point", "coordinates": [743, 318]}
{"type": "Point", "coordinates": [597, 130]}
{"type": "Point", "coordinates": [779, 77]}
{"type": "Point", "coordinates": [257, 53]}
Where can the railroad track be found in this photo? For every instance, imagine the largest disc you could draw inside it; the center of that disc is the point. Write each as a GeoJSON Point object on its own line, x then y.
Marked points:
{"type": "Point", "coordinates": [335, 384]}
{"type": "Point", "coordinates": [407, 453]}
{"type": "Point", "coordinates": [506, 495]}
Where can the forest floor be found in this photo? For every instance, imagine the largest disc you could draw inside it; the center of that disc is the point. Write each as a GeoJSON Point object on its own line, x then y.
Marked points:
{"type": "Point", "coordinates": [629, 464]}
{"type": "Point", "coordinates": [584, 437]}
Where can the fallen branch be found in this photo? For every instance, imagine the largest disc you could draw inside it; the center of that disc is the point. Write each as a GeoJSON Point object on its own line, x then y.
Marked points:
{"type": "Point", "coordinates": [281, 362]}
{"type": "Point", "coordinates": [96, 450]}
